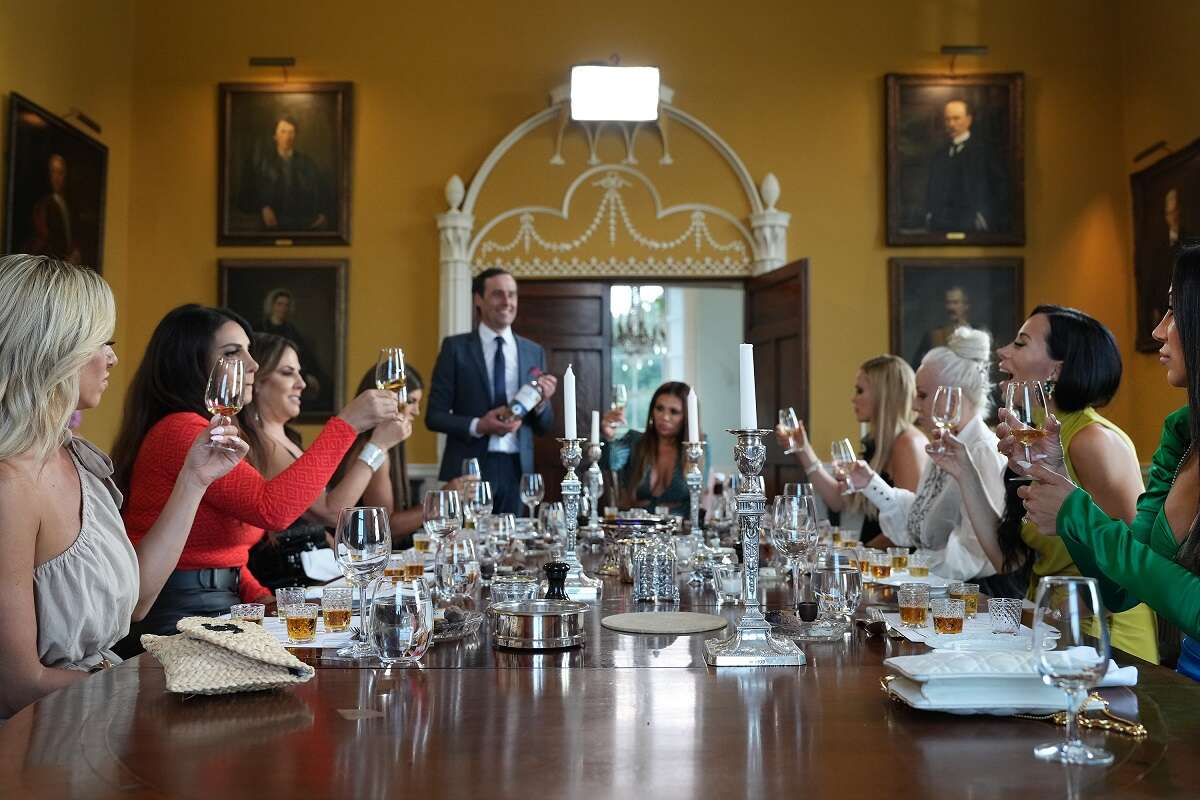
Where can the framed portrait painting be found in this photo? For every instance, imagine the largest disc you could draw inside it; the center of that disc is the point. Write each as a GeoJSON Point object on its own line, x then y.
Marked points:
{"type": "Point", "coordinates": [303, 300]}
{"type": "Point", "coordinates": [56, 183]}
{"type": "Point", "coordinates": [1166, 210]}
{"type": "Point", "coordinates": [930, 297]}
{"type": "Point", "coordinates": [955, 159]}
{"type": "Point", "coordinates": [284, 163]}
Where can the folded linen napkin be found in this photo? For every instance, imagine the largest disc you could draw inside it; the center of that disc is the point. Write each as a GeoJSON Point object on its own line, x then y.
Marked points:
{"type": "Point", "coordinates": [947, 667]}
{"type": "Point", "coordinates": [320, 565]}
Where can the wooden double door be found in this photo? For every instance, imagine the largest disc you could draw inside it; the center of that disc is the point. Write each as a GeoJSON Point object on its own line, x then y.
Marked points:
{"type": "Point", "coordinates": [572, 320]}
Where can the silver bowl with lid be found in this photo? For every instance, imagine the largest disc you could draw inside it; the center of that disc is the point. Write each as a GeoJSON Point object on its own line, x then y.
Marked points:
{"type": "Point", "coordinates": [537, 624]}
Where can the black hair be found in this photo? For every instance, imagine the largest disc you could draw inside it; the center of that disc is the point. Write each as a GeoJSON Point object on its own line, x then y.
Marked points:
{"type": "Point", "coordinates": [1091, 361]}
{"type": "Point", "coordinates": [479, 282]}
{"type": "Point", "coordinates": [1184, 308]}
{"type": "Point", "coordinates": [171, 377]}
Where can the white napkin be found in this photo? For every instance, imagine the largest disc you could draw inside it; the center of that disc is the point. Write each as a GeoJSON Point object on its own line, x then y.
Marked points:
{"type": "Point", "coordinates": [981, 669]}
{"type": "Point", "coordinates": [320, 565]}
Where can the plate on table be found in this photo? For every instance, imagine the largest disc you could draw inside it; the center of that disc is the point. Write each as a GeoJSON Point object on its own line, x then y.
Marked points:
{"type": "Point", "coordinates": [937, 586]}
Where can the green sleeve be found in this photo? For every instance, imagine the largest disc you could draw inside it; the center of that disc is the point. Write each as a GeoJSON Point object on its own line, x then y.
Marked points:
{"type": "Point", "coordinates": [1120, 555]}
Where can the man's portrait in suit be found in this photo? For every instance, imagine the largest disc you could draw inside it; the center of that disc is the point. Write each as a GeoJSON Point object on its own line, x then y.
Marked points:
{"type": "Point", "coordinates": [1166, 212]}
{"type": "Point", "coordinates": [955, 160]}
{"type": "Point", "coordinates": [56, 185]}
{"type": "Point", "coordinates": [285, 163]}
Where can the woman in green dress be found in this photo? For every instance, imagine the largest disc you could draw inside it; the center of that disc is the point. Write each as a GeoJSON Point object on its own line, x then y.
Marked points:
{"type": "Point", "coordinates": [1156, 558]}
{"type": "Point", "coordinates": [649, 464]}
{"type": "Point", "coordinates": [1078, 359]}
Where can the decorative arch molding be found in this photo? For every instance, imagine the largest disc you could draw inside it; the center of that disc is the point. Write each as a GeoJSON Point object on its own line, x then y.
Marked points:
{"type": "Point", "coordinates": [761, 245]}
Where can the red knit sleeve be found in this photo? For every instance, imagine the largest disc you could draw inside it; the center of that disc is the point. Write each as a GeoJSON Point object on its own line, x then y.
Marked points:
{"type": "Point", "coordinates": [249, 588]}
{"type": "Point", "coordinates": [277, 503]}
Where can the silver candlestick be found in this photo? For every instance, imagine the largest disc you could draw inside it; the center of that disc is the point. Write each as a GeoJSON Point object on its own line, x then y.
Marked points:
{"type": "Point", "coordinates": [693, 455]}
{"type": "Point", "coordinates": [579, 586]}
{"type": "Point", "coordinates": [595, 484]}
{"type": "Point", "coordinates": [752, 644]}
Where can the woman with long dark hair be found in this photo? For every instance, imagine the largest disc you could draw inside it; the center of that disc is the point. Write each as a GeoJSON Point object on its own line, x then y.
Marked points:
{"type": "Point", "coordinates": [1078, 360]}
{"type": "Point", "coordinates": [163, 414]}
{"type": "Point", "coordinates": [650, 463]}
{"type": "Point", "coordinates": [1154, 559]}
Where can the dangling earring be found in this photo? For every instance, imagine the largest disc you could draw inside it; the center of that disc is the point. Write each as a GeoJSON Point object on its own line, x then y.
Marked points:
{"type": "Point", "coordinates": [1049, 385]}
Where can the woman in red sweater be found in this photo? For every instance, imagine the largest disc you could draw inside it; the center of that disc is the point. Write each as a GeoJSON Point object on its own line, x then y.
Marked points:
{"type": "Point", "coordinates": [163, 415]}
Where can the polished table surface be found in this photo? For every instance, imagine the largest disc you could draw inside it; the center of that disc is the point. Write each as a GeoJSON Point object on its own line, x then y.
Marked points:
{"type": "Point", "coordinates": [624, 716]}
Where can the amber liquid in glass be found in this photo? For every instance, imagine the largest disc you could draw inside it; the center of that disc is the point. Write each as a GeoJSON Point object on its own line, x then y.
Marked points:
{"type": "Point", "coordinates": [255, 620]}
{"type": "Point", "coordinates": [393, 571]}
{"type": "Point", "coordinates": [394, 385]}
{"type": "Point", "coordinates": [947, 624]}
{"type": "Point", "coordinates": [336, 619]}
{"type": "Point", "coordinates": [1027, 436]}
{"type": "Point", "coordinates": [302, 629]}
{"type": "Point", "coordinates": [837, 537]}
{"type": "Point", "coordinates": [414, 572]}
{"type": "Point", "coordinates": [881, 570]}
{"type": "Point", "coordinates": [913, 615]}
{"type": "Point", "coordinates": [421, 546]}
{"type": "Point", "coordinates": [899, 562]}
{"type": "Point", "coordinates": [970, 603]}
{"type": "Point", "coordinates": [918, 572]}
{"type": "Point", "coordinates": [864, 566]}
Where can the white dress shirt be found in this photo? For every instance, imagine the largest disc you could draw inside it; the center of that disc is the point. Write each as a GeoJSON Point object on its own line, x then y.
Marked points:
{"type": "Point", "coordinates": [487, 337]}
{"type": "Point", "coordinates": [934, 520]}
{"type": "Point", "coordinates": [957, 143]}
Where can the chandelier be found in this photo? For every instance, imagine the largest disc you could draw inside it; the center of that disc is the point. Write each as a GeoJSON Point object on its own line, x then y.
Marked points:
{"type": "Point", "coordinates": [635, 334]}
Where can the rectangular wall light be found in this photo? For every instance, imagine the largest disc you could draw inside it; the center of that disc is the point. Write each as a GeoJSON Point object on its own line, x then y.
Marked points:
{"type": "Point", "coordinates": [614, 93]}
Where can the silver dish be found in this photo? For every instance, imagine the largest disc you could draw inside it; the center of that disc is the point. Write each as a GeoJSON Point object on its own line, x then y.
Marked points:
{"type": "Point", "coordinates": [537, 624]}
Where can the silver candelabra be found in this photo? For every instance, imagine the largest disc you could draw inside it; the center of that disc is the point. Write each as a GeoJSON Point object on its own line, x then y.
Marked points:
{"type": "Point", "coordinates": [595, 486]}
{"type": "Point", "coordinates": [693, 453]}
{"type": "Point", "coordinates": [752, 643]}
{"type": "Point", "coordinates": [579, 585]}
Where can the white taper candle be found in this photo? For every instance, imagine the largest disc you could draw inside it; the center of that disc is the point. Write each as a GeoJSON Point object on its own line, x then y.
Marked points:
{"type": "Point", "coordinates": [595, 427]}
{"type": "Point", "coordinates": [569, 403]}
{"type": "Point", "coordinates": [693, 417]}
{"type": "Point", "coordinates": [749, 404]}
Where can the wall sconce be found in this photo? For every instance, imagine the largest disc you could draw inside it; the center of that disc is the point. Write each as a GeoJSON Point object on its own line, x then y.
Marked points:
{"type": "Point", "coordinates": [611, 93]}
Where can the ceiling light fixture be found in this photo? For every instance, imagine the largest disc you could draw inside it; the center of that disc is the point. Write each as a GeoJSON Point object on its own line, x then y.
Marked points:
{"type": "Point", "coordinates": [616, 94]}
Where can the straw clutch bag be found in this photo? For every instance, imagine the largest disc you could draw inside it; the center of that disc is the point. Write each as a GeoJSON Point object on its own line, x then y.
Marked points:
{"type": "Point", "coordinates": [220, 656]}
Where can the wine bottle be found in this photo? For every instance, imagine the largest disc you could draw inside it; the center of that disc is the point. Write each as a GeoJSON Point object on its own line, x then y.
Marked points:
{"type": "Point", "coordinates": [528, 397]}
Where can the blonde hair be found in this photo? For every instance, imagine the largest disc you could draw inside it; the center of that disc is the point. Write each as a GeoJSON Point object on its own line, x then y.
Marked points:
{"type": "Point", "coordinates": [54, 317]}
{"type": "Point", "coordinates": [966, 361]}
{"type": "Point", "coordinates": [893, 386]}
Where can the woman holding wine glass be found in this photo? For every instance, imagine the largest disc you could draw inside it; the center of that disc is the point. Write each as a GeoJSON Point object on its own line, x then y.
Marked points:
{"type": "Point", "coordinates": [69, 580]}
{"type": "Point", "coordinates": [1155, 559]}
{"type": "Point", "coordinates": [163, 415]}
{"type": "Point", "coordinates": [649, 463]}
{"type": "Point", "coordinates": [1062, 366]}
{"type": "Point", "coordinates": [933, 518]}
{"type": "Point", "coordinates": [893, 446]}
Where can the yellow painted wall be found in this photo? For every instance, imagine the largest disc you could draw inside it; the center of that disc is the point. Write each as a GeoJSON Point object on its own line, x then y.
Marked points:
{"type": "Point", "coordinates": [62, 54]}
{"type": "Point", "coordinates": [1160, 93]}
{"type": "Point", "coordinates": [795, 87]}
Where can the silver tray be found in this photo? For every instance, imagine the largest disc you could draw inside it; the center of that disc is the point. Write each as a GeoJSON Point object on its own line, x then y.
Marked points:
{"type": "Point", "coordinates": [537, 624]}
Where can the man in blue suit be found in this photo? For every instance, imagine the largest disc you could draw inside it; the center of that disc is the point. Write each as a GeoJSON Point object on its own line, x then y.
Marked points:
{"type": "Point", "coordinates": [475, 378]}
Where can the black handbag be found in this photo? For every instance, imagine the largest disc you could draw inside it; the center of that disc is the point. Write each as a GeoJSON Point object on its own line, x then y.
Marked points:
{"type": "Point", "coordinates": [275, 559]}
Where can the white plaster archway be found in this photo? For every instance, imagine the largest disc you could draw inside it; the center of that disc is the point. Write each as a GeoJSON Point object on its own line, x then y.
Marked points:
{"type": "Point", "coordinates": [761, 246]}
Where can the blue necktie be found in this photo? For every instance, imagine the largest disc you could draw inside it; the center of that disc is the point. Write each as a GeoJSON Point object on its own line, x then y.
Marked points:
{"type": "Point", "coordinates": [499, 393]}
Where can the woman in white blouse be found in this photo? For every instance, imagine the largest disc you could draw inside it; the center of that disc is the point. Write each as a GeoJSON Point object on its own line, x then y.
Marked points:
{"type": "Point", "coordinates": [933, 519]}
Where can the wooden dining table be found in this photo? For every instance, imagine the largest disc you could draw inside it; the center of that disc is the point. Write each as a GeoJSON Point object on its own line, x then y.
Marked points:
{"type": "Point", "coordinates": [623, 716]}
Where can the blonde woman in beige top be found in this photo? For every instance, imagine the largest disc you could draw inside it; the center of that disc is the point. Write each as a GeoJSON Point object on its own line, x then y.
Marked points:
{"type": "Point", "coordinates": [70, 580]}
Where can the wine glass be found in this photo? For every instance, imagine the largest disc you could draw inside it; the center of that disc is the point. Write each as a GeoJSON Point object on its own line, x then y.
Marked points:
{"type": "Point", "coordinates": [389, 373]}
{"type": "Point", "coordinates": [794, 533]}
{"type": "Point", "coordinates": [456, 567]}
{"type": "Point", "coordinates": [552, 519]}
{"type": "Point", "coordinates": [843, 456]}
{"type": "Point", "coordinates": [441, 512]}
{"type": "Point", "coordinates": [1026, 404]}
{"type": "Point", "coordinates": [798, 489]}
{"type": "Point", "coordinates": [478, 501]}
{"type": "Point", "coordinates": [400, 627]}
{"type": "Point", "coordinates": [947, 411]}
{"type": "Point", "coordinates": [533, 489]}
{"type": "Point", "coordinates": [620, 397]}
{"type": "Point", "coordinates": [1070, 646]}
{"type": "Point", "coordinates": [223, 394]}
{"type": "Point", "coordinates": [470, 469]}
{"type": "Point", "coordinates": [362, 545]}
{"type": "Point", "coordinates": [790, 423]}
